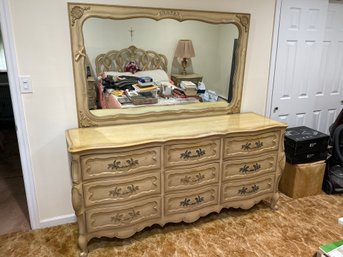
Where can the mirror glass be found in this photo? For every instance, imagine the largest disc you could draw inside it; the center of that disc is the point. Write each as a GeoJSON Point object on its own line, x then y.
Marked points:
{"type": "Point", "coordinates": [213, 46]}
{"type": "Point", "coordinates": [102, 33]}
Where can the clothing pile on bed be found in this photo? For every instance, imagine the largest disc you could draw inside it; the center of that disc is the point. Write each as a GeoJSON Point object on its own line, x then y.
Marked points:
{"type": "Point", "coordinates": [114, 87]}
{"type": "Point", "coordinates": [119, 82]}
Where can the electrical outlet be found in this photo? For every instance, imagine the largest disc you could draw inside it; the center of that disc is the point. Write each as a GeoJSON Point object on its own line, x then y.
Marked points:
{"type": "Point", "coordinates": [340, 220]}
{"type": "Point", "coordinates": [25, 84]}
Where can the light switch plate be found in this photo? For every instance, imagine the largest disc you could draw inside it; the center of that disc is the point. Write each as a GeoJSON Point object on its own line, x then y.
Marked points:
{"type": "Point", "coordinates": [340, 221]}
{"type": "Point", "coordinates": [25, 84]}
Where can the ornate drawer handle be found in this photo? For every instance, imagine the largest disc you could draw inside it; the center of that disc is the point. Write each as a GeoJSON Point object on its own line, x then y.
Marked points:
{"type": "Point", "coordinates": [248, 146]}
{"type": "Point", "coordinates": [117, 164]}
{"type": "Point", "coordinates": [246, 168]}
{"type": "Point", "coordinates": [188, 202]}
{"type": "Point", "coordinates": [188, 154]}
{"type": "Point", "coordinates": [122, 218]}
{"type": "Point", "coordinates": [191, 180]}
{"type": "Point", "coordinates": [118, 191]}
{"type": "Point", "coordinates": [244, 190]}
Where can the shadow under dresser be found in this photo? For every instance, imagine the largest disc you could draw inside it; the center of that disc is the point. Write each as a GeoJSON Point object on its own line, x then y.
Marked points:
{"type": "Point", "coordinates": [128, 177]}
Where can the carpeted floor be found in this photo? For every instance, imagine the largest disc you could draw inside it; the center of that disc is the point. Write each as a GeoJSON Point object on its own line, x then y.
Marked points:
{"type": "Point", "coordinates": [296, 229]}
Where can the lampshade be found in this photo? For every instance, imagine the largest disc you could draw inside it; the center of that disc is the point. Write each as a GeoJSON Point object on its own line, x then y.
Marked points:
{"type": "Point", "coordinates": [184, 49]}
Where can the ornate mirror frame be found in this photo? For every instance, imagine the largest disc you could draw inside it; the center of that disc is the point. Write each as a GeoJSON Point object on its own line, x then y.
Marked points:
{"type": "Point", "coordinates": [79, 13]}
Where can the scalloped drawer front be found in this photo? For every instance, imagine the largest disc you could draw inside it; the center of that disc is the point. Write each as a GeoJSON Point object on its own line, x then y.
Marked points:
{"type": "Point", "coordinates": [246, 189]}
{"type": "Point", "coordinates": [249, 167]}
{"type": "Point", "coordinates": [191, 200]}
{"type": "Point", "coordinates": [121, 189]}
{"type": "Point", "coordinates": [254, 144]}
{"type": "Point", "coordinates": [125, 215]}
{"type": "Point", "coordinates": [120, 163]}
{"type": "Point", "coordinates": [191, 177]}
{"type": "Point", "coordinates": [192, 152]}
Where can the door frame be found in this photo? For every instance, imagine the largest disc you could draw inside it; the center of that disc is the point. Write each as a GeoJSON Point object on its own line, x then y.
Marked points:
{"type": "Point", "coordinates": [18, 112]}
{"type": "Point", "coordinates": [277, 14]}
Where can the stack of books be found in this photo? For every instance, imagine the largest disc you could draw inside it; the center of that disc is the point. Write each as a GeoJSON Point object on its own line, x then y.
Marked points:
{"type": "Point", "coordinates": [145, 84]}
{"type": "Point", "coordinates": [189, 88]}
{"type": "Point", "coordinates": [140, 89]}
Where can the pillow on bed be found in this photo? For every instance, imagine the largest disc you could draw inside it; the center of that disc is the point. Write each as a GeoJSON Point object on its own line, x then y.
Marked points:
{"type": "Point", "coordinates": [117, 73]}
{"type": "Point", "coordinates": [158, 76]}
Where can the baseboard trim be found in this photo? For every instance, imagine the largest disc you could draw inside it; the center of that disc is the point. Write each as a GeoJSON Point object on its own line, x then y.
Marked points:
{"type": "Point", "coordinates": [59, 220]}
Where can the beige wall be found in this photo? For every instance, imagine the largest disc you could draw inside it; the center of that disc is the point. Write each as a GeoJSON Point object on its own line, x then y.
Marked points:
{"type": "Point", "coordinates": [42, 42]}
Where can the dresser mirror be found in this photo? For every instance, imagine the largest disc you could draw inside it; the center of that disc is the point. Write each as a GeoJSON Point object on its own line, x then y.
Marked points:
{"type": "Point", "coordinates": [108, 39]}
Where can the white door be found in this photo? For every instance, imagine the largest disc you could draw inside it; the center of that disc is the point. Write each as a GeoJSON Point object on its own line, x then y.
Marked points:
{"type": "Point", "coordinates": [329, 93]}
{"type": "Point", "coordinates": [305, 91]}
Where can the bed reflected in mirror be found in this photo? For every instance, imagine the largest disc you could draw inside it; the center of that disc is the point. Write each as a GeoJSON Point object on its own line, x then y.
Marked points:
{"type": "Point", "coordinates": [127, 69]}
{"type": "Point", "coordinates": [106, 41]}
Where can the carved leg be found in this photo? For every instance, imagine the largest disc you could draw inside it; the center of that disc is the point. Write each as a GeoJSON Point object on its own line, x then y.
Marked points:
{"type": "Point", "coordinates": [273, 201]}
{"type": "Point", "coordinates": [83, 246]}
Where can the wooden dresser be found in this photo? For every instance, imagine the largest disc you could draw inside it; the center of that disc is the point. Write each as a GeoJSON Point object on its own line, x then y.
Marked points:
{"type": "Point", "coordinates": [128, 177]}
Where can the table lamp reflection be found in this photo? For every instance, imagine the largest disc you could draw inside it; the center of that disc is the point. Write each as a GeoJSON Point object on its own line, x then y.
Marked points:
{"type": "Point", "coordinates": [184, 50]}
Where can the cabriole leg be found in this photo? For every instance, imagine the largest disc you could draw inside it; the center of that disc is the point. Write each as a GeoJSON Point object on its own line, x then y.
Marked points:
{"type": "Point", "coordinates": [83, 246]}
{"type": "Point", "coordinates": [274, 200]}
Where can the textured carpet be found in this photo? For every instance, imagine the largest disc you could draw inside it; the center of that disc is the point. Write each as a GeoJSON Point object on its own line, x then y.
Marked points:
{"type": "Point", "coordinates": [296, 229]}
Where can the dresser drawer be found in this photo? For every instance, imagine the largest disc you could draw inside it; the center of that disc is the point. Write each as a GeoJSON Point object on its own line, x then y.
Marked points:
{"type": "Point", "coordinates": [191, 177]}
{"type": "Point", "coordinates": [257, 143]}
{"type": "Point", "coordinates": [120, 163]}
{"type": "Point", "coordinates": [246, 167]}
{"type": "Point", "coordinates": [119, 189]}
{"type": "Point", "coordinates": [245, 189]}
{"type": "Point", "coordinates": [190, 200]}
{"type": "Point", "coordinates": [120, 216]}
{"type": "Point", "coordinates": [192, 152]}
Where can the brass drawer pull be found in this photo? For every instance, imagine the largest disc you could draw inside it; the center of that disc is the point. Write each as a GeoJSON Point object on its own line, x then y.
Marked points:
{"type": "Point", "coordinates": [191, 180]}
{"type": "Point", "coordinates": [118, 191]}
{"type": "Point", "coordinates": [117, 164]}
{"type": "Point", "coordinates": [246, 168]}
{"type": "Point", "coordinates": [122, 218]}
{"type": "Point", "coordinates": [188, 154]}
{"type": "Point", "coordinates": [244, 190]}
{"type": "Point", "coordinates": [249, 146]}
{"type": "Point", "coordinates": [188, 202]}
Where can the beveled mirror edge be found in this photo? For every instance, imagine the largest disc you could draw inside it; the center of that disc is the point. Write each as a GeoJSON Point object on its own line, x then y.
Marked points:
{"type": "Point", "coordinates": [79, 12]}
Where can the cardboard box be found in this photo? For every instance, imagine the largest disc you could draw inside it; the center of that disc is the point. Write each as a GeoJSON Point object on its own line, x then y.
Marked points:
{"type": "Point", "coordinates": [300, 180]}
